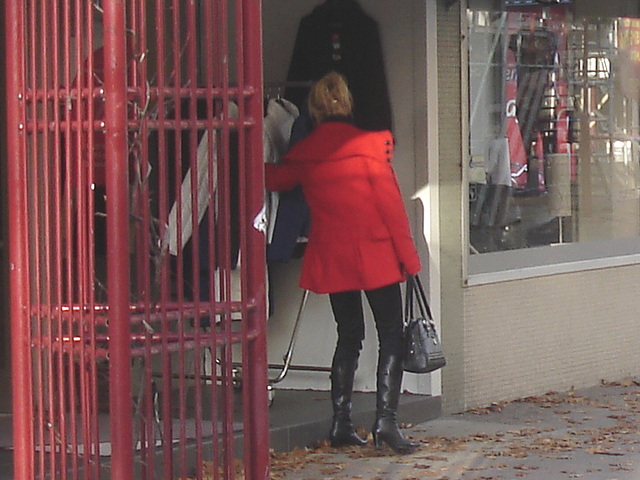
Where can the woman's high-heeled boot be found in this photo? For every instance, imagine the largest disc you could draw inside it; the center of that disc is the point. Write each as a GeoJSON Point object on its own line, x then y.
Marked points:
{"type": "Point", "coordinates": [386, 427]}
{"type": "Point", "coordinates": [343, 369]}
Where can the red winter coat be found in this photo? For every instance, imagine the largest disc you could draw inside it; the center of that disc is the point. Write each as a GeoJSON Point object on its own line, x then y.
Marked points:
{"type": "Point", "coordinates": [360, 237]}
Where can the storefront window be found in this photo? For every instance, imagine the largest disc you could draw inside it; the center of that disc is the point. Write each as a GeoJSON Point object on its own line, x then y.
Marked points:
{"type": "Point", "coordinates": [553, 128]}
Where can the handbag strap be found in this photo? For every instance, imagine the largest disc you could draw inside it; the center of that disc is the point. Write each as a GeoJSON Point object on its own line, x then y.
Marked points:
{"type": "Point", "coordinates": [422, 298]}
{"type": "Point", "coordinates": [408, 300]}
{"type": "Point", "coordinates": [415, 293]}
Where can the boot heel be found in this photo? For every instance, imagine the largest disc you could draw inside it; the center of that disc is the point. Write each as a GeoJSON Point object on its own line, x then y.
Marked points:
{"type": "Point", "coordinates": [387, 431]}
{"type": "Point", "coordinates": [389, 379]}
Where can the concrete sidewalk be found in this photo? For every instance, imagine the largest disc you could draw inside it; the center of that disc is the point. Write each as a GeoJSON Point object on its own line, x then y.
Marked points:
{"type": "Point", "coordinates": [588, 434]}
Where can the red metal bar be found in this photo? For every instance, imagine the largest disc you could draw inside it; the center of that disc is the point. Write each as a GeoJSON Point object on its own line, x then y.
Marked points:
{"type": "Point", "coordinates": [90, 353]}
{"type": "Point", "coordinates": [254, 182]}
{"type": "Point", "coordinates": [45, 361]}
{"type": "Point", "coordinates": [163, 210]}
{"type": "Point", "coordinates": [55, 268]}
{"type": "Point", "coordinates": [224, 275]}
{"type": "Point", "coordinates": [192, 70]}
{"type": "Point", "coordinates": [117, 182]}
{"type": "Point", "coordinates": [244, 106]}
{"type": "Point", "coordinates": [58, 385]}
{"type": "Point", "coordinates": [211, 84]}
{"type": "Point", "coordinates": [77, 125]}
{"type": "Point", "coordinates": [256, 350]}
{"type": "Point", "coordinates": [18, 273]}
{"type": "Point", "coordinates": [177, 47]}
{"type": "Point", "coordinates": [139, 78]}
{"type": "Point", "coordinates": [86, 366]}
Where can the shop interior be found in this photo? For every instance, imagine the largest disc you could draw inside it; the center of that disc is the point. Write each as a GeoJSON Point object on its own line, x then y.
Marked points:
{"type": "Point", "coordinates": [553, 127]}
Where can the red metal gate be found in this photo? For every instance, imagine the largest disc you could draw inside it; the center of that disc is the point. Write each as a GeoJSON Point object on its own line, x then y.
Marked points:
{"type": "Point", "coordinates": [137, 264]}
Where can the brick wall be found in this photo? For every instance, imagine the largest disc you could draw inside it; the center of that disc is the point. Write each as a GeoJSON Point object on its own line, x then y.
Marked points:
{"type": "Point", "coordinates": [530, 336]}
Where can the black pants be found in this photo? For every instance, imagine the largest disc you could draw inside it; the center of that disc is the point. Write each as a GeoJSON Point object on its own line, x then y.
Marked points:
{"type": "Point", "coordinates": [386, 305]}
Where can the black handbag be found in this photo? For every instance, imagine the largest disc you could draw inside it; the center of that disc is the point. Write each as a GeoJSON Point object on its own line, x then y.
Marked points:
{"type": "Point", "coordinates": [422, 348]}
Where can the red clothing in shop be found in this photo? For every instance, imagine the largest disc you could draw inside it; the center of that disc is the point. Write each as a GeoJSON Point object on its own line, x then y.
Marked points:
{"type": "Point", "coordinates": [360, 237]}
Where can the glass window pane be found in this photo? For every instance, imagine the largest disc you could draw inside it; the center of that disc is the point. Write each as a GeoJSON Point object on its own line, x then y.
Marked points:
{"type": "Point", "coordinates": [553, 127]}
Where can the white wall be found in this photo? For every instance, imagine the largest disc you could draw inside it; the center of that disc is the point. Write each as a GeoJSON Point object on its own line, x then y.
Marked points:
{"type": "Point", "coordinates": [403, 38]}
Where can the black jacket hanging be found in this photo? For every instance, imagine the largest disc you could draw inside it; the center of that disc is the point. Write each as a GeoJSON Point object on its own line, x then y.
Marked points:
{"type": "Point", "coordinates": [339, 36]}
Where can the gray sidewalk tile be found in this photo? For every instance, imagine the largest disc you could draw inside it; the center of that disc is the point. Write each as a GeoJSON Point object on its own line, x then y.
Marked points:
{"type": "Point", "coordinates": [590, 434]}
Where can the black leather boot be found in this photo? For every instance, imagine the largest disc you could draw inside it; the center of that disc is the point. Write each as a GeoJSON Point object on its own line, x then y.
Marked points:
{"type": "Point", "coordinates": [343, 369]}
{"type": "Point", "coordinates": [386, 427]}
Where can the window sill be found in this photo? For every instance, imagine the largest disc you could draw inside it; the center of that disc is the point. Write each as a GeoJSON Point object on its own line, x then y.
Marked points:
{"type": "Point", "coordinates": [558, 259]}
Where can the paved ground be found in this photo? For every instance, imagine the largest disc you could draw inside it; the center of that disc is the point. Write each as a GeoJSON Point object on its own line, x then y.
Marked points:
{"type": "Point", "coordinates": [590, 434]}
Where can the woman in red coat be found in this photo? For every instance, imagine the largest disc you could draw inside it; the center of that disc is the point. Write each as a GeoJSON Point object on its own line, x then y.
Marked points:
{"type": "Point", "coordinates": [360, 240]}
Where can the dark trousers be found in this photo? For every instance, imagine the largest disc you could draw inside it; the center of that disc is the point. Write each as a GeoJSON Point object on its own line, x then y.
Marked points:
{"type": "Point", "coordinates": [386, 305]}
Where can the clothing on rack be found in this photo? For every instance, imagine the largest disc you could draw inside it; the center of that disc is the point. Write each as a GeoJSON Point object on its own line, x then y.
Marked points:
{"type": "Point", "coordinates": [340, 36]}
{"type": "Point", "coordinates": [179, 147]}
{"type": "Point", "coordinates": [498, 164]}
{"type": "Point", "coordinates": [292, 221]}
{"type": "Point", "coordinates": [280, 115]}
{"type": "Point", "coordinates": [535, 51]}
{"type": "Point", "coordinates": [203, 197]}
{"type": "Point", "coordinates": [205, 149]}
{"type": "Point", "coordinates": [278, 121]}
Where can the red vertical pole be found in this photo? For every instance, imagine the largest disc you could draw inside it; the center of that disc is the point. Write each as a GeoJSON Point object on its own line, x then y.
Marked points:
{"type": "Point", "coordinates": [18, 245]}
{"type": "Point", "coordinates": [254, 184]}
{"type": "Point", "coordinates": [117, 181]}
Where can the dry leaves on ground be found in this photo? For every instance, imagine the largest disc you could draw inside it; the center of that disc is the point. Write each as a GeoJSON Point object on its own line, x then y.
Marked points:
{"type": "Point", "coordinates": [602, 441]}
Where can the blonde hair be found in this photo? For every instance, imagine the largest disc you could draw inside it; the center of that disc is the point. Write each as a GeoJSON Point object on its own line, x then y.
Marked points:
{"type": "Point", "coordinates": [329, 97]}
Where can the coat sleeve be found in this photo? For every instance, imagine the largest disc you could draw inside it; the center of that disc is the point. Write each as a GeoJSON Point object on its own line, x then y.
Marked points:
{"type": "Point", "coordinates": [279, 178]}
{"type": "Point", "coordinates": [390, 205]}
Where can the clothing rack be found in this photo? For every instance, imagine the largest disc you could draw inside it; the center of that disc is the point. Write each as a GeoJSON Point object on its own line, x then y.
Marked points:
{"type": "Point", "coordinates": [286, 366]}
{"type": "Point", "coordinates": [276, 90]}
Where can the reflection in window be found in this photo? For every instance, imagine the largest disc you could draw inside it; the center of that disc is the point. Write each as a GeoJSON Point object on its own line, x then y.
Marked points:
{"type": "Point", "coordinates": [554, 127]}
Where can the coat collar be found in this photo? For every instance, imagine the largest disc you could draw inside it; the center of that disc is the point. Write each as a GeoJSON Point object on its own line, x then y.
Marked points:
{"type": "Point", "coordinates": [335, 140]}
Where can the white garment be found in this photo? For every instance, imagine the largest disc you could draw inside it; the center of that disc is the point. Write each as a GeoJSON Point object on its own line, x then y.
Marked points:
{"type": "Point", "coordinates": [477, 171]}
{"type": "Point", "coordinates": [498, 162]}
{"type": "Point", "coordinates": [170, 239]}
{"type": "Point", "coordinates": [558, 181]}
{"type": "Point", "coordinates": [278, 122]}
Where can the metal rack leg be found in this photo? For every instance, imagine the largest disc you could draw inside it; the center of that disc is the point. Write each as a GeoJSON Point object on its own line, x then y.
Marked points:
{"type": "Point", "coordinates": [292, 341]}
